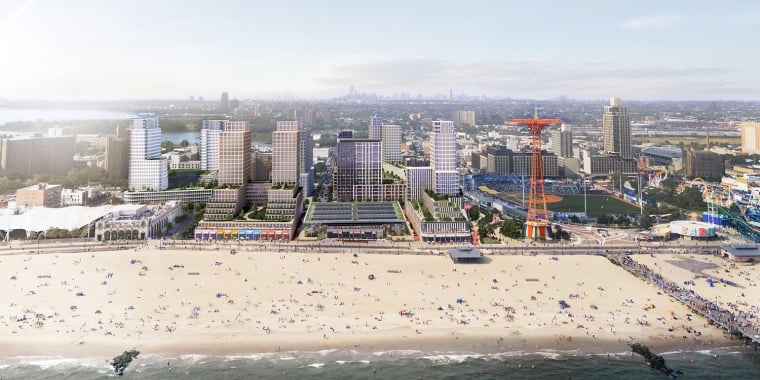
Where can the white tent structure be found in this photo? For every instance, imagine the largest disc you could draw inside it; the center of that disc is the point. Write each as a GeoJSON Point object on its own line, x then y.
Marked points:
{"type": "Point", "coordinates": [40, 219]}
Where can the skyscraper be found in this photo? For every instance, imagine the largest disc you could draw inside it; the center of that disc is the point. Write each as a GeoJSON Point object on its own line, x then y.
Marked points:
{"type": "Point", "coordinates": [234, 154]}
{"type": "Point", "coordinates": [147, 170]}
{"type": "Point", "coordinates": [209, 145]}
{"type": "Point", "coordinates": [224, 107]}
{"type": "Point", "coordinates": [375, 128]}
{"type": "Point", "coordinates": [562, 141]}
{"type": "Point", "coordinates": [443, 158]}
{"type": "Point", "coordinates": [117, 157]}
{"type": "Point", "coordinates": [306, 160]}
{"type": "Point", "coordinates": [391, 138]}
{"type": "Point", "coordinates": [286, 153]}
{"type": "Point", "coordinates": [358, 162]}
{"type": "Point", "coordinates": [616, 128]}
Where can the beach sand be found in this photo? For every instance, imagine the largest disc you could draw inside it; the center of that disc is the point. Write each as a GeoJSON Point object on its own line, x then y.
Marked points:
{"type": "Point", "coordinates": [738, 290]}
{"type": "Point", "coordinates": [182, 302]}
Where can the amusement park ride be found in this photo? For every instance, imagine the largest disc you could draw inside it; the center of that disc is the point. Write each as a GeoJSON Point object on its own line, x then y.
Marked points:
{"type": "Point", "coordinates": [537, 225]}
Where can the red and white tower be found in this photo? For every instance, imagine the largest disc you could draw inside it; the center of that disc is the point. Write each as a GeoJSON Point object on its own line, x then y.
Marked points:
{"type": "Point", "coordinates": [537, 226]}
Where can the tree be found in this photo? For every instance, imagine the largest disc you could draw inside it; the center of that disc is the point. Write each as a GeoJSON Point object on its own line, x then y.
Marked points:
{"type": "Point", "coordinates": [474, 213]}
{"type": "Point", "coordinates": [512, 228]}
{"type": "Point", "coordinates": [560, 234]}
{"type": "Point", "coordinates": [485, 230]}
{"type": "Point", "coordinates": [645, 221]}
{"type": "Point", "coordinates": [669, 186]}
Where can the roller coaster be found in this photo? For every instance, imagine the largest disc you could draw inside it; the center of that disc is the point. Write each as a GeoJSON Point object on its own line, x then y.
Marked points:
{"type": "Point", "coordinates": [656, 175]}
{"type": "Point", "coordinates": [721, 206]}
{"type": "Point", "coordinates": [737, 222]}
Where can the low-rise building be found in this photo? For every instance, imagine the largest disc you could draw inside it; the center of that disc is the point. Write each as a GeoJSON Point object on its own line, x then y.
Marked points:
{"type": "Point", "coordinates": [73, 197]}
{"type": "Point", "coordinates": [40, 195]}
{"type": "Point", "coordinates": [439, 218]}
{"type": "Point", "coordinates": [146, 222]}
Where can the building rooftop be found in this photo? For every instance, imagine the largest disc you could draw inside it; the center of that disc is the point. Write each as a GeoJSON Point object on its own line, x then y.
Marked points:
{"type": "Point", "coordinates": [465, 254]}
{"type": "Point", "coordinates": [743, 250]}
{"type": "Point", "coordinates": [663, 151]}
{"type": "Point", "coordinates": [68, 218]}
{"type": "Point", "coordinates": [354, 212]}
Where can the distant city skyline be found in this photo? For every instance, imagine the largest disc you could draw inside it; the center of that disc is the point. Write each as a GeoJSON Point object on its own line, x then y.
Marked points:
{"type": "Point", "coordinates": [647, 50]}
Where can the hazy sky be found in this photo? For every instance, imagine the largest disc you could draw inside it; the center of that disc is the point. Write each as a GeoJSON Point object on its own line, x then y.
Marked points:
{"type": "Point", "coordinates": [114, 49]}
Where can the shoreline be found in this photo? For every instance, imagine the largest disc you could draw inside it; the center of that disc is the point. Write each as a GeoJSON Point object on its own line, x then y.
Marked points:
{"type": "Point", "coordinates": [264, 302]}
{"type": "Point", "coordinates": [369, 345]}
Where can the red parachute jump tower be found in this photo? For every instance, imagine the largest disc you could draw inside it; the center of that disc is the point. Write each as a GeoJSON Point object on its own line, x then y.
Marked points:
{"type": "Point", "coordinates": [537, 226]}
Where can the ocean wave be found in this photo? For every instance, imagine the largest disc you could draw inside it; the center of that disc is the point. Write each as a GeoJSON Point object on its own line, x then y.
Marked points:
{"type": "Point", "coordinates": [316, 365]}
{"type": "Point", "coordinates": [452, 358]}
{"type": "Point", "coordinates": [56, 362]}
{"type": "Point", "coordinates": [194, 358]}
{"type": "Point", "coordinates": [253, 357]}
{"type": "Point", "coordinates": [398, 353]}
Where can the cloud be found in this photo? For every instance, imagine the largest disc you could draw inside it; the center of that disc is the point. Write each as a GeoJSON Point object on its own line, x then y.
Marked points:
{"type": "Point", "coordinates": [648, 22]}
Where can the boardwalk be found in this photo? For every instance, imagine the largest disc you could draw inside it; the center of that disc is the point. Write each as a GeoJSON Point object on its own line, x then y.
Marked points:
{"type": "Point", "coordinates": [735, 322]}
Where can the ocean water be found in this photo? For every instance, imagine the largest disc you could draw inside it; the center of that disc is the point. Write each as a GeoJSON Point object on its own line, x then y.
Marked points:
{"type": "Point", "coordinates": [724, 363]}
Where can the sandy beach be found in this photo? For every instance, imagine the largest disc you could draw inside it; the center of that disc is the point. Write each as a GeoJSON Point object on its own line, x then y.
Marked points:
{"type": "Point", "coordinates": [177, 302]}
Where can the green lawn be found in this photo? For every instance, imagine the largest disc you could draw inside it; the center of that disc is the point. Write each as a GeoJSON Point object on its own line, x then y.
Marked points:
{"type": "Point", "coordinates": [488, 240]}
{"type": "Point", "coordinates": [596, 204]}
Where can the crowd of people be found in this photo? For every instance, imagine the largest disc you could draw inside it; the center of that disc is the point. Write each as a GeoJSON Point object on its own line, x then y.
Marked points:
{"type": "Point", "coordinates": [730, 318]}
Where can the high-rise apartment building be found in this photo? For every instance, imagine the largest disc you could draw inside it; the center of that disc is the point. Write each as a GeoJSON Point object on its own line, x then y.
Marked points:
{"type": "Point", "coordinates": [147, 170]}
{"type": "Point", "coordinates": [37, 155]}
{"type": "Point", "coordinates": [224, 107]}
{"type": "Point", "coordinates": [375, 128]}
{"type": "Point", "coordinates": [562, 141]}
{"type": "Point", "coordinates": [443, 158]}
{"type": "Point", "coordinates": [616, 129]}
{"type": "Point", "coordinates": [234, 154]}
{"type": "Point", "coordinates": [357, 162]}
{"type": "Point", "coordinates": [750, 131]}
{"type": "Point", "coordinates": [418, 179]}
{"type": "Point", "coordinates": [262, 166]}
{"type": "Point", "coordinates": [391, 139]}
{"type": "Point", "coordinates": [209, 144]}
{"type": "Point", "coordinates": [461, 118]}
{"type": "Point", "coordinates": [116, 160]}
{"type": "Point", "coordinates": [286, 153]}
{"type": "Point", "coordinates": [306, 160]}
